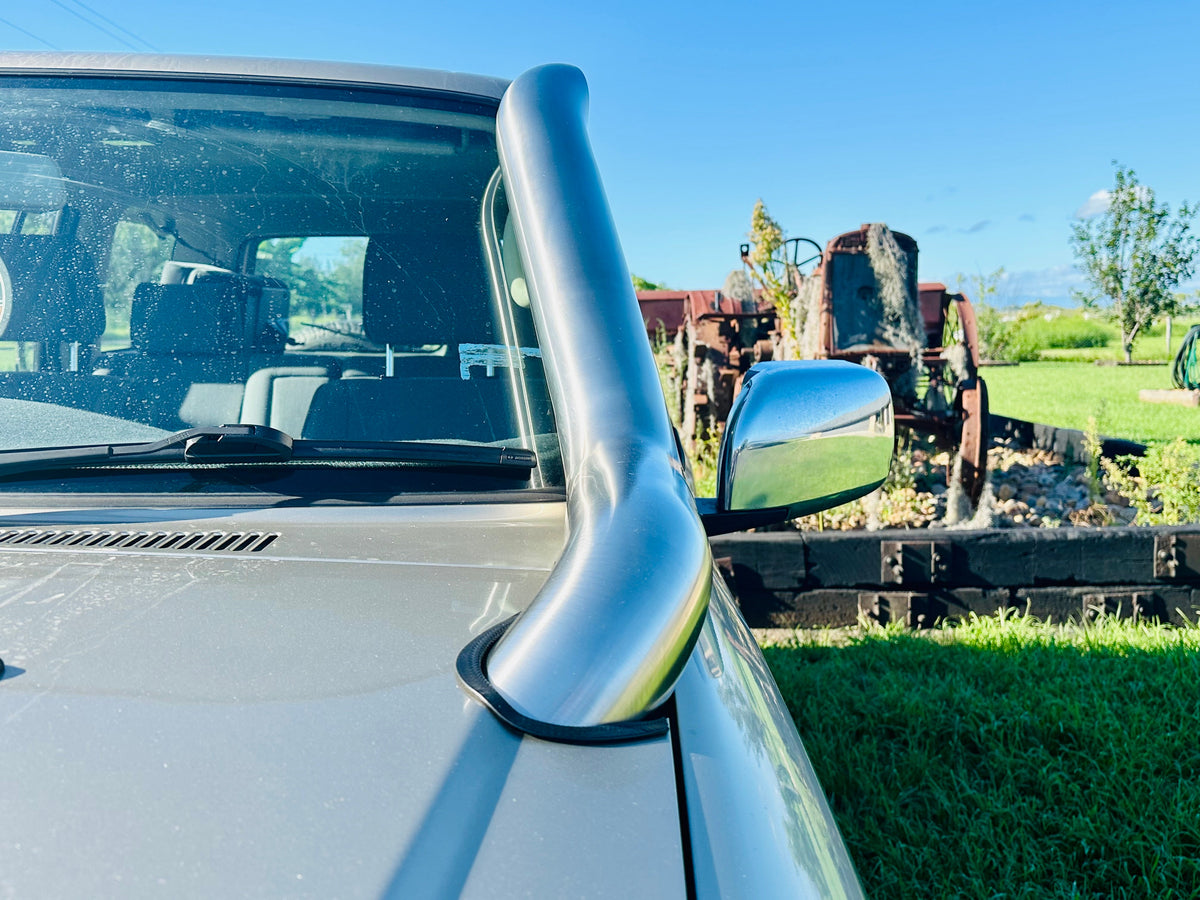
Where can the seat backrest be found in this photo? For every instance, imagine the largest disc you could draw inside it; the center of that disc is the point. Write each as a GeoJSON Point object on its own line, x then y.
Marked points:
{"type": "Point", "coordinates": [48, 291]}
{"type": "Point", "coordinates": [207, 318]}
{"type": "Point", "coordinates": [406, 409]}
{"type": "Point", "coordinates": [280, 396]}
{"type": "Point", "coordinates": [425, 289]}
{"type": "Point", "coordinates": [190, 353]}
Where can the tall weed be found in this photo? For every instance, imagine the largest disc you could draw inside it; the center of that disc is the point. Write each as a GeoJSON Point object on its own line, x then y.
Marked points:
{"type": "Point", "coordinates": [706, 451]}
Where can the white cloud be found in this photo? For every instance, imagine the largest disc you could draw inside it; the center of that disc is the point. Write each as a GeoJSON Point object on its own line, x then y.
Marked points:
{"type": "Point", "coordinates": [1096, 204]}
{"type": "Point", "coordinates": [1099, 201]}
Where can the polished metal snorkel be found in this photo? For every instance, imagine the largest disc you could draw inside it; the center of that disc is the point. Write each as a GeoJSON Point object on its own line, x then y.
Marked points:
{"type": "Point", "coordinates": [611, 629]}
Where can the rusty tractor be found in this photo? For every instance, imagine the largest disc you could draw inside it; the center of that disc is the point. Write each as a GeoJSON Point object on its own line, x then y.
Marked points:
{"type": "Point", "coordinates": [862, 302]}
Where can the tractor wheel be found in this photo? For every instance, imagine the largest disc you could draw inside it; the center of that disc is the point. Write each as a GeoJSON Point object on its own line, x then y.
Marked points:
{"type": "Point", "coordinates": [973, 408]}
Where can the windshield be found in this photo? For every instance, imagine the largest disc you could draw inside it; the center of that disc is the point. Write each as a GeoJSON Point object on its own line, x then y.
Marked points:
{"type": "Point", "coordinates": [329, 263]}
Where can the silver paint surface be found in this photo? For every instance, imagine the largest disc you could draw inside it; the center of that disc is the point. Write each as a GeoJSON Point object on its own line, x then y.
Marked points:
{"type": "Point", "coordinates": [608, 634]}
{"type": "Point", "coordinates": [289, 723]}
{"type": "Point", "coordinates": [760, 825]}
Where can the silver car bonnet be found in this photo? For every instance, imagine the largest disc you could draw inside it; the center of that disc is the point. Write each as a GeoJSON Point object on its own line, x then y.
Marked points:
{"type": "Point", "coordinates": [287, 722]}
{"type": "Point", "coordinates": [610, 632]}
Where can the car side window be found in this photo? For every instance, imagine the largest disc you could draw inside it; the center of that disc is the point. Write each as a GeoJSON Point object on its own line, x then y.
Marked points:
{"type": "Point", "coordinates": [137, 255]}
{"type": "Point", "coordinates": [16, 221]}
{"type": "Point", "coordinates": [324, 276]}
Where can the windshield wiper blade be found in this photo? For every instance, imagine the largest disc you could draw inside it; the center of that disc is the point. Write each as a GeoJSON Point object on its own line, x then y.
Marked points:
{"type": "Point", "coordinates": [210, 444]}
{"type": "Point", "coordinates": [228, 444]}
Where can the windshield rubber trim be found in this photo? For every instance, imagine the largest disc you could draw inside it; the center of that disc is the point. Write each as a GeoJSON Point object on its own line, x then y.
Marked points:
{"type": "Point", "coordinates": [472, 675]}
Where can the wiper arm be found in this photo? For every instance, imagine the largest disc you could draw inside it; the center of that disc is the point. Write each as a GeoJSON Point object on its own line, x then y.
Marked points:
{"type": "Point", "coordinates": [226, 444]}
{"type": "Point", "coordinates": [418, 453]}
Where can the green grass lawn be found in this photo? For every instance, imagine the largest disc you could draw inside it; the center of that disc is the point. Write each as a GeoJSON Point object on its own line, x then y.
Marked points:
{"type": "Point", "coordinates": [1007, 758]}
{"type": "Point", "coordinates": [1067, 394]}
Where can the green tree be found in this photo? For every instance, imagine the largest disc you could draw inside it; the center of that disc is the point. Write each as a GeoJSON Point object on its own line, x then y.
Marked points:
{"type": "Point", "coordinates": [641, 284]}
{"type": "Point", "coordinates": [1133, 255]}
{"type": "Point", "coordinates": [281, 258]}
{"type": "Point", "coordinates": [998, 339]}
{"type": "Point", "coordinates": [980, 289]}
{"type": "Point", "coordinates": [345, 277]}
{"type": "Point", "coordinates": [319, 289]}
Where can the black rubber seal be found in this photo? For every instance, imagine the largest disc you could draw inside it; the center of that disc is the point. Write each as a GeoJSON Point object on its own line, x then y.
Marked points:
{"type": "Point", "coordinates": [474, 679]}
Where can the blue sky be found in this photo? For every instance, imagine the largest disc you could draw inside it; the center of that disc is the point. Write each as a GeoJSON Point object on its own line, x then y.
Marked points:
{"type": "Point", "coordinates": [980, 129]}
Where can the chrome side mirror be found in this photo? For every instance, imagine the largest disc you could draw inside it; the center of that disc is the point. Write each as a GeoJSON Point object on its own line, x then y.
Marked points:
{"type": "Point", "coordinates": [802, 437]}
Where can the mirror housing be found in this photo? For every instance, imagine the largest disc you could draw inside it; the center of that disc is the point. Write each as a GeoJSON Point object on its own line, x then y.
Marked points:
{"type": "Point", "coordinates": [801, 437]}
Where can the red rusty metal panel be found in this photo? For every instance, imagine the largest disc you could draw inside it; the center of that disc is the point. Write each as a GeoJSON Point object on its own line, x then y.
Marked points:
{"type": "Point", "coordinates": [933, 299]}
{"type": "Point", "coordinates": [856, 242]}
{"type": "Point", "coordinates": [703, 303]}
{"type": "Point", "coordinates": [670, 309]}
{"type": "Point", "coordinates": [661, 295]}
{"type": "Point", "coordinates": [662, 306]}
{"type": "Point", "coordinates": [715, 304]}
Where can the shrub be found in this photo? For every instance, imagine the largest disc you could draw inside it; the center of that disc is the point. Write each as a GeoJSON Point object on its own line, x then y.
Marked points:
{"type": "Point", "coordinates": [1166, 487]}
{"type": "Point", "coordinates": [1064, 332]}
{"type": "Point", "coordinates": [1003, 339]}
{"type": "Point", "coordinates": [1020, 335]}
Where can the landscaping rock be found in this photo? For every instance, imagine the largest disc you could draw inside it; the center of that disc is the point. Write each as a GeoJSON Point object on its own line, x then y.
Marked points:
{"type": "Point", "coordinates": [1026, 489]}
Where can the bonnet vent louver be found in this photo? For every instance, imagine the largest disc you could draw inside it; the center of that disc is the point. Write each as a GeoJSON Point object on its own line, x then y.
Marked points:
{"type": "Point", "coordinates": [207, 541]}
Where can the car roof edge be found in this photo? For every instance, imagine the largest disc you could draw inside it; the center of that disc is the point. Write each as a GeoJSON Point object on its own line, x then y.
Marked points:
{"type": "Point", "coordinates": [251, 69]}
